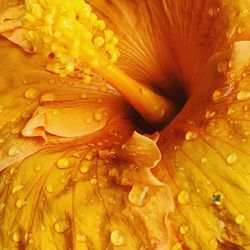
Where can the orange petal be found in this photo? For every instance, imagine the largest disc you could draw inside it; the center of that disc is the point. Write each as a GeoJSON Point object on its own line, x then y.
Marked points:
{"type": "Point", "coordinates": [206, 158]}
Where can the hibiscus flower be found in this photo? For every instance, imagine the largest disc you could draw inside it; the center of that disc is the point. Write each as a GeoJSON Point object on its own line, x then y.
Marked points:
{"type": "Point", "coordinates": [124, 124]}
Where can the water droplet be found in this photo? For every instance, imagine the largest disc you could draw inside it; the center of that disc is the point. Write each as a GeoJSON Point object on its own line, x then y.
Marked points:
{"type": "Point", "coordinates": [241, 29]}
{"type": "Point", "coordinates": [217, 95]}
{"type": "Point", "coordinates": [183, 197]}
{"type": "Point", "coordinates": [116, 238]}
{"type": "Point", "coordinates": [64, 163]}
{"type": "Point", "coordinates": [240, 219]}
{"type": "Point", "coordinates": [232, 158]}
{"type": "Point", "coordinates": [111, 200]}
{"type": "Point", "coordinates": [190, 136]}
{"type": "Point", "coordinates": [184, 229]}
{"type": "Point", "coordinates": [137, 195]}
{"type": "Point", "coordinates": [103, 89]}
{"type": "Point", "coordinates": [49, 189]}
{"type": "Point", "coordinates": [16, 237]}
{"type": "Point", "coordinates": [85, 166]}
{"type": "Point", "coordinates": [230, 111]}
{"type": "Point", "coordinates": [243, 95]}
{"type": "Point", "coordinates": [20, 203]}
{"type": "Point", "coordinates": [89, 156]}
{"type": "Point", "coordinates": [15, 131]}
{"type": "Point", "coordinates": [37, 168]}
{"type": "Point", "coordinates": [31, 94]}
{"type": "Point", "coordinates": [93, 181]}
{"type": "Point", "coordinates": [176, 246]}
{"type": "Point", "coordinates": [61, 226]}
{"type": "Point", "coordinates": [98, 116]}
{"type": "Point", "coordinates": [14, 151]}
{"type": "Point", "coordinates": [113, 172]}
{"type": "Point", "coordinates": [217, 198]}
{"type": "Point", "coordinates": [47, 97]}
{"type": "Point", "coordinates": [17, 188]}
{"type": "Point", "coordinates": [204, 160]}
{"type": "Point", "coordinates": [81, 237]}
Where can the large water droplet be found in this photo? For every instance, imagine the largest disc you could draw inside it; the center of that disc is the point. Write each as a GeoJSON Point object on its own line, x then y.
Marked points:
{"type": "Point", "coordinates": [16, 237]}
{"type": "Point", "coordinates": [117, 239]}
{"type": "Point", "coordinates": [64, 163]}
{"type": "Point", "coordinates": [31, 94]}
{"type": "Point", "coordinates": [85, 166]}
{"type": "Point", "coordinates": [81, 237]}
{"type": "Point", "coordinates": [20, 203]}
{"type": "Point", "coordinates": [14, 151]}
{"type": "Point", "coordinates": [61, 226]}
{"type": "Point", "coordinates": [243, 95]}
{"type": "Point", "coordinates": [17, 188]}
{"type": "Point", "coordinates": [184, 229]}
{"type": "Point", "coordinates": [240, 219]}
{"type": "Point", "coordinates": [232, 158]}
{"type": "Point", "coordinates": [176, 246]}
{"type": "Point", "coordinates": [190, 135]}
{"type": "Point", "coordinates": [183, 197]}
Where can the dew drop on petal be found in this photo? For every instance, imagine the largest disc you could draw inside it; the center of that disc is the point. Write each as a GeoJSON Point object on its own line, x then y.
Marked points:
{"type": "Point", "coordinates": [243, 95]}
{"type": "Point", "coordinates": [117, 239]}
{"type": "Point", "coordinates": [93, 181]}
{"type": "Point", "coordinates": [85, 166]}
{"type": "Point", "coordinates": [232, 158]}
{"type": "Point", "coordinates": [13, 151]}
{"type": "Point", "coordinates": [16, 237]}
{"type": "Point", "coordinates": [240, 219]}
{"type": "Point", "coordinates": [63, 163]}
{"type": "Point", "coordinates": [15, 131]}
{"type": "Point", "coordinates": [183, 197]}
{"type": "Point", "coordinates": [81, 237]}
{"type": "Point", "coordinates": [61, 226]}
{"type": "Point", "coordinates": [190, 136]}
{"type": "Point", "coordinates": [184, 229]}
{"type": "Point", "coordinates": [98, 116]}
{"type": "Point", "coordinates": [176, 246]}
{"type": "Point", "coordinates": [17, 188]}
{"type": "Point", "coordinates": [204, 160]}
{"type": "Point", "coordinates": [31, 94]}
{"type": "Point", "coordinates": [217, 95]}
{"type": "Point", "coordinates": [113, 172]}
{"type": "Point", "coordinates": [20, 203]}
{"type": "Point", "coordinates": [47, 97]}
{"type": "Point", "coordinates": [49, 189]}
{"type": "Point", "coordinates": [241, 29]}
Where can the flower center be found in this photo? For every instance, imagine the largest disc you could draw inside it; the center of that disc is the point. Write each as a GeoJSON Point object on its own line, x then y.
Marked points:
{"type": "Point", "coordinates": [77, 43]}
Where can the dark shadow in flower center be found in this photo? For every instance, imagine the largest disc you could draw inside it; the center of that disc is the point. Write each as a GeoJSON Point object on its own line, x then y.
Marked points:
{"type": "Point", "coordinates": [173, 89]}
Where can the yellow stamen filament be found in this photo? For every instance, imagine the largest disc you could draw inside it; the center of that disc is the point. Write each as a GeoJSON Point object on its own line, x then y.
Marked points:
{"type": "Point", "coordinates": [75, 41]}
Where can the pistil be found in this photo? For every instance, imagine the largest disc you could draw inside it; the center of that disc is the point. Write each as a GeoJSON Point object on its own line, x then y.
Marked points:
{"type": "Point", "coordinates": [75, 42]}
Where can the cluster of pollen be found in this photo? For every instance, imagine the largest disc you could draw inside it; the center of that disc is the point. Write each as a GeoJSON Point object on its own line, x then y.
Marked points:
{"type": "Point", "coordinates": [70, 35]}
